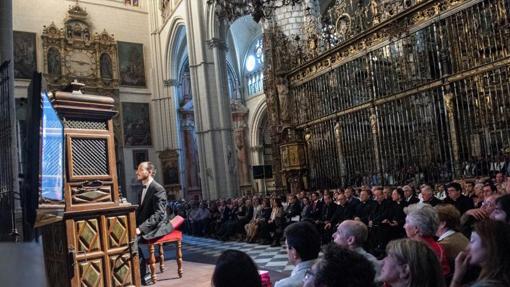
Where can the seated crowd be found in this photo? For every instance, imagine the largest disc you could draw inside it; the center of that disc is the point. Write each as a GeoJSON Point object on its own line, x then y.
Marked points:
{"type": "Point", "coordinates": [380, 236]}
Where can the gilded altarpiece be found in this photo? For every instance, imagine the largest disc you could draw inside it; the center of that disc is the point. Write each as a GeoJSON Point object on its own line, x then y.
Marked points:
{"type": "Point", "coordinates": [76, 52]}
{"type": "Point", "coordinates": [390, 92]}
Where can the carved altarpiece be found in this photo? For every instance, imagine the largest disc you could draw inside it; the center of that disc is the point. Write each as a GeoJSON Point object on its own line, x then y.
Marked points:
{"type": "Point", "coordinates": [77, 52]}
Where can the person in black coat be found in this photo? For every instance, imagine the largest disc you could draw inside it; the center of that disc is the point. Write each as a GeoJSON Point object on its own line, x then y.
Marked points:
{"type": "Point", "coordinates": [364, 208]}
{"type": "Point", "coordinates": [151, 217]}
{"type": "Point", "coordinates": [457, 199]}
{"type": "Point", "coordinates": [324, 222]}
{"type": "Point", "coordinates": [410, 196]}
{"type": "Point", "coordinates": [343, 211]}
{"type": "Point", "coordinates": [293, 210]}
{"type": "Point", "coordinates": [316, 207]}
{"type": "Point", "coordinates": [427, 195]}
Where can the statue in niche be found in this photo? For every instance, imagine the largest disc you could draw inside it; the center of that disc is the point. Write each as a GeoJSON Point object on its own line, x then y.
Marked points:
{"type": "Point", "coordinates": [283, 93]}
{"type": "Point", "coordinates": [54, 63]}
{"type": "Point", "coordinates": [374, 12]}
{"type": "Point", "coordinates": [86, 35]}
{"type": "Point", "coordinates": [106, 66]}
{"type": "Point", "coordinates": [239, 140]}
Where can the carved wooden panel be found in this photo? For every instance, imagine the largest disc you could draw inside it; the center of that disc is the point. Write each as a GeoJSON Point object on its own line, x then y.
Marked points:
{"type": "Point", "coordinates": [88, 235]}
{"type": "Point", "coordinates": [117, 231]}
{"type": "Point", "coordinates": [91, 194]}
{"type": "Point", "coordinates": [121, 274]}
{"type": "Point", "coordinates": [91, 273]}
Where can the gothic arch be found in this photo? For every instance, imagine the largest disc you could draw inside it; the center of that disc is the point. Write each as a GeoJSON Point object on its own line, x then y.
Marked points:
{"type": "Point", "coordinates": [259, 114]}
{"type": "Point", "coordinates": [176, 49]}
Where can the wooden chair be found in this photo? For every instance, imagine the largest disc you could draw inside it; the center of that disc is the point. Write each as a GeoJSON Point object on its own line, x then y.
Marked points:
{"type": "Point", "coordinates": [173, 237]}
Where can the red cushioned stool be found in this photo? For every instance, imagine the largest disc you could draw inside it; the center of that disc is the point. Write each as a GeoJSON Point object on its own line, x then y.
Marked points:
{"type": "Point", "coordinates": [173, 237]}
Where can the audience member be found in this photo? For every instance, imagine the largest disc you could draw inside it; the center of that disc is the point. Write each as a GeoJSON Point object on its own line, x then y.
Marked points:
{"type": "Point", "coordinates": [448, 233]}
{"type": "Point", "coordinates": [397, 215]}
{"type": "Point", "coordinates": [324, 222]}
{"type": "Point", "coordinates": [456, 198]}
{"type": "Point", "coordinates": [364, 208]}
{"type": "Point", "coordinates": [233, 267]}
{"type": "Point", "coordinates": [410, 263]}
{"type": "Point", "coordinates": [340, 267]}
{"type": "Point", "coordinates": [421, 224]}
{"type": "Point", "coordinates": [470, 217]}
{"type": "Point", "coordinates": [488, 249]}
{"type": "Point", "coordinates": [352, 234]}
{"type": "Point", "coordinates": [427, 195]}
{"type": "Point", "coordinates": [303, 246]}
{"type": "Point", "coordinates": [410, 197]}
{"type": "Point", "coordinates": [502, 210]}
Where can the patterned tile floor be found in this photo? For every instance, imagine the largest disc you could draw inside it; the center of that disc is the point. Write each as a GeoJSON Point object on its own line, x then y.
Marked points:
{"type": "Point", "coordinates": [266, 257]}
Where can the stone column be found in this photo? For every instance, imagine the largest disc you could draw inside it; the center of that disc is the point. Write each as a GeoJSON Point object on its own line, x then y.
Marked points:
{"type": "Point", "coordinates": [206, 42]}
{"type": "Point", "coordinates": [10, 163]}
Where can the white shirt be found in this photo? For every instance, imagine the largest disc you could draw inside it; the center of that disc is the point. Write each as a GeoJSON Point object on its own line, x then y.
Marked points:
{"type": "Point", "coordinates": [297, 275]}
{"type": "Point", "coordinates": [446, 234]}
{"type": "Point", "coordinates": [144, 190]}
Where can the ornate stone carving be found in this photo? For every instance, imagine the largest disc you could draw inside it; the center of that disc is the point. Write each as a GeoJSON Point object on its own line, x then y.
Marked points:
{"type": "Point", "coordinates": [73, 52]}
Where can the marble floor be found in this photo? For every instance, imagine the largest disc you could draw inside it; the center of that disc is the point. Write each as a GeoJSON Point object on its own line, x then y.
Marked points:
{"type": "Point", "coordinates": [200, 255]}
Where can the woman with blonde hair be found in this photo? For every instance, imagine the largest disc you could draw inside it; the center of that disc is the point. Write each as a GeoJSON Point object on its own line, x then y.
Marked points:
{"type": "Point", "coordinates": [410, 263]}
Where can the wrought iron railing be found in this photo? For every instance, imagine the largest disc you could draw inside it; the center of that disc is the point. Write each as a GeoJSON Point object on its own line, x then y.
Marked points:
{"type": "Point", "coordinates": [6, 157]}
{"type": "Point", "coordinates": [426, 104]}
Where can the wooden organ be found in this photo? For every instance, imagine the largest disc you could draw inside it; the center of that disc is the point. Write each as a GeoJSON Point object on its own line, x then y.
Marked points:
{"type": "Point", "coordinates": [94, 242]}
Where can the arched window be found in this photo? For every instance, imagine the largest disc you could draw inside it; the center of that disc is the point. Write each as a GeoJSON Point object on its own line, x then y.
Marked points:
{"type": "Point", "coordinates": [233, 84]}
{"type": "Point", "coordinates": [254, 67]}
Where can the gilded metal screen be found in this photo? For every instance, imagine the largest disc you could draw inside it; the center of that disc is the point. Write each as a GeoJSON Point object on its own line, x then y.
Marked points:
{"type": "Point", "coordinates": [428, 105]}
{"type": "Point", "coordinates": [90, 157]}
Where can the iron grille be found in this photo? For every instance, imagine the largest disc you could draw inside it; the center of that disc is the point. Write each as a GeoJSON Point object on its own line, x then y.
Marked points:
{"type": "Point", "coordinates": [8, 158]}
{"type": "Point", "coordinates": [86, 124]}
{"type": "Point", "coordinates": [90, 157]}
{"type": "Point", "coordinates": [392, 104]}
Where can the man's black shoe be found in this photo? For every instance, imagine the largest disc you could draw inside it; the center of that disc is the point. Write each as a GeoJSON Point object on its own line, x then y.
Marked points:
{"type": "Point", "coordinates": [147, 281]}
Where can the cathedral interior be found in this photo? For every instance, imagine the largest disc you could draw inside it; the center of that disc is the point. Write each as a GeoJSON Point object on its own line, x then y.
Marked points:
{"type": "Point", "coordinates": [230, 99]}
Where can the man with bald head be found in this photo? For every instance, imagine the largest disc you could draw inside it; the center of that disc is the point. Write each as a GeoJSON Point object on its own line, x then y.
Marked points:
{"type": "Point", "coordinates": [352, 234]}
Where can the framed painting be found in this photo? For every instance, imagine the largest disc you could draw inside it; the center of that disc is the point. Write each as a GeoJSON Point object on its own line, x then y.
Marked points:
{"type": "Point", "coordinates": [131, 66]}
{"type": "Point", "coordinates": [139, 156]}
{"type": "Point", "coordinates": [24, 55]}
{"type": "Point", "coordinates": [136, 124]}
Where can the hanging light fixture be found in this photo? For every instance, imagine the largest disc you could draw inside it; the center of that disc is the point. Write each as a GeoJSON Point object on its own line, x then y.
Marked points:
{"type": "Point", "coordinates": [258, 9]}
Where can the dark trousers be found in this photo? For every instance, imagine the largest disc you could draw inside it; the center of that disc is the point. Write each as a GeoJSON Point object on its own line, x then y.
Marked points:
{"type": "Point", "coordinates": [143, 255]}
